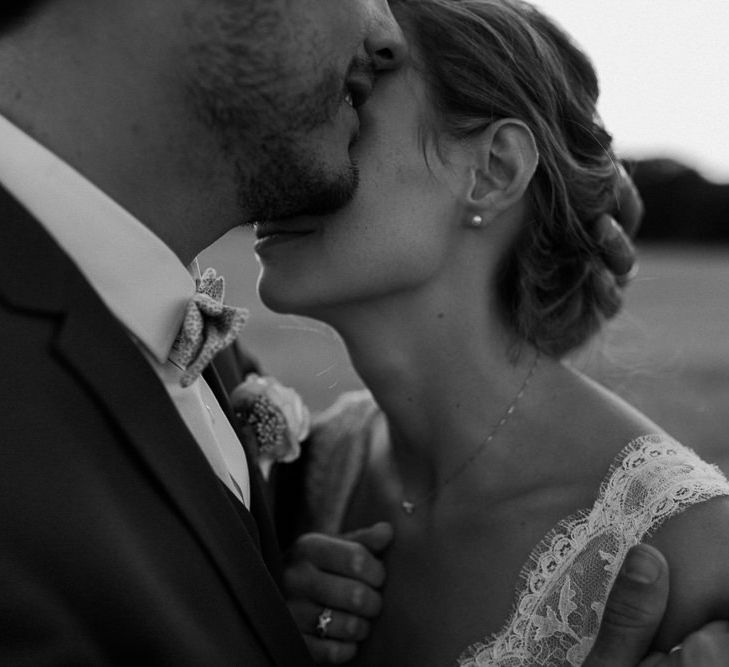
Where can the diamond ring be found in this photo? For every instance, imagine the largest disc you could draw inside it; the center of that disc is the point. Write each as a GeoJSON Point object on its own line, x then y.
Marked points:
{"type": "Point", "coordinates": [323, 621]}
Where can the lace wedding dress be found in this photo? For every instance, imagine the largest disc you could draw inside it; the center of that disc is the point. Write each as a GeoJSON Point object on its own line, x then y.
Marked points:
{"type": "Point", "coordinates": [566, 580]}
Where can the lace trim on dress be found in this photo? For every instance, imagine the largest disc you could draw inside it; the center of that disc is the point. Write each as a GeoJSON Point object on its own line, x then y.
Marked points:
{"type": "Point", "coordinates": [567, 578]}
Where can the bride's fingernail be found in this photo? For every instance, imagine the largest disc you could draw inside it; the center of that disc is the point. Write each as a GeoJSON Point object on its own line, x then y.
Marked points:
{"type": "Point", "coordinates": [358, 562]}
{"type": "Point", "coordinates": [641, 566]}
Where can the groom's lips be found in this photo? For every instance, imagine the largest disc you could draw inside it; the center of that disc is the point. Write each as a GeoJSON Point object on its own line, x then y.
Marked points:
{"type": "Point", "coordinates": [269, 234]}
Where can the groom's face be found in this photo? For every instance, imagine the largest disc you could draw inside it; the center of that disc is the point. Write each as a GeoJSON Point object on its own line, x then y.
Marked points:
{"type": "Point", "coordinates": [270, 79]}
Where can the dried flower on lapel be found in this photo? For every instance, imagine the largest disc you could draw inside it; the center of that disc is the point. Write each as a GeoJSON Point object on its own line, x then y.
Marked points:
{"type": "Point", "coordinates": [277, 416]}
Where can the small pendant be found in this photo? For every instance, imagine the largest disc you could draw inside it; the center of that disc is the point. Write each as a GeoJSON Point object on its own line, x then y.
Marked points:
{"type": "Point", "coordinates": [408, 507]}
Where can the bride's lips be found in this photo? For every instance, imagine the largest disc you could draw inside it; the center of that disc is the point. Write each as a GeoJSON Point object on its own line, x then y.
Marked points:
{"type": "Point", "coordinates": [269, 234]}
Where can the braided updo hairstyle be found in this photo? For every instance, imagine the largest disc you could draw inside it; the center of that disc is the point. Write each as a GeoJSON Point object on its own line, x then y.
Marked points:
{"type": "Point", "coordinates": [485, 60]}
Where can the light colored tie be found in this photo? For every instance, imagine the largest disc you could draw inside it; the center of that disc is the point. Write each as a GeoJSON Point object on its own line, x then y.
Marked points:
{"type": "Point", "coordinates": [209, 326]}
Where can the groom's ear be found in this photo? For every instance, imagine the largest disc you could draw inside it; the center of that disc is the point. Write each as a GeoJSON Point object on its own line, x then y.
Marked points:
{"type": "Point", "coordinates": [505, 159]}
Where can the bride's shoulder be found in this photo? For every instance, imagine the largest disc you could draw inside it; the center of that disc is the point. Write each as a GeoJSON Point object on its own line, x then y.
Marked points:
{"type": "Point", "coordinates": [597, 408]}
{"type": "Point", "coordinates": [587, 425]}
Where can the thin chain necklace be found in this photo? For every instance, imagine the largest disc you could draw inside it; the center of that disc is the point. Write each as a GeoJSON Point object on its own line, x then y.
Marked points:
{"type": "Point", "coordinates": [409, 506]}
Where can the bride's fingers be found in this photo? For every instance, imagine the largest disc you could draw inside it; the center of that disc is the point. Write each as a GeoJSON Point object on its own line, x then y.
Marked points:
{"type": "Point", "coordinates": [376, 537]}
{"type": "Point", "coordinates": [618, 252]}
{"type": "Point", "coordinates": [340, 556]}
{"type": "Point", "coordinates": [330, 651]}
{"type": "Point", "coordinates": [340, 625]}
{"type": "Point", "coordinates": [305, 582]}
{"type": "Point", "coordinates": [331, 635]}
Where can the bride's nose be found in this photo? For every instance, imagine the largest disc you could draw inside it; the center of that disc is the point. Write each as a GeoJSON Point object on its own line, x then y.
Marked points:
{"type": "Point", "coordinates": [385, 43]}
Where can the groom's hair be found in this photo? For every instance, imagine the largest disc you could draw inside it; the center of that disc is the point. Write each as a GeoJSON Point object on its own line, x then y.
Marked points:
{"type": "Point", "coordinates": [14, 11]}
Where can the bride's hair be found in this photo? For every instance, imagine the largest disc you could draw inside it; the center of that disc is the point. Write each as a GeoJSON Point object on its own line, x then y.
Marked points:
{"type": "Point", "coordinates": [491, 59]}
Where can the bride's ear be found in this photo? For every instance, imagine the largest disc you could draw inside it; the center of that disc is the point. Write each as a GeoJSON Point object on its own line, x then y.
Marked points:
{"type": "Point", "coordinates": [506, 158]}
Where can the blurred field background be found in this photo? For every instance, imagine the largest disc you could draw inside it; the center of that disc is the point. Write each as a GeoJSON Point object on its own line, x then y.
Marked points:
{"type": "Point", "coordinates": [667, 353]}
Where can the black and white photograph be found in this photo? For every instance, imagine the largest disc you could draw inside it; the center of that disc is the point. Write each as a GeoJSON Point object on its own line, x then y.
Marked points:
{"type": "Point", "coordinates": [374, 333]}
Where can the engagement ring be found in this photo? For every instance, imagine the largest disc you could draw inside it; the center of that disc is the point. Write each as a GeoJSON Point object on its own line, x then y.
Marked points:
{"type": "Point", "coordinates": [323, 621]}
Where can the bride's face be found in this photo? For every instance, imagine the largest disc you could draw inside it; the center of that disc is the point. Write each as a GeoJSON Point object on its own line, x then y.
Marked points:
{"type": "Point", "coordinates": [393, 237]}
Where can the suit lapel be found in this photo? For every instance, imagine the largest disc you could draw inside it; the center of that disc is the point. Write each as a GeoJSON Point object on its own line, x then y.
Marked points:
{"type": "Point", "coordinates": [105, 359]}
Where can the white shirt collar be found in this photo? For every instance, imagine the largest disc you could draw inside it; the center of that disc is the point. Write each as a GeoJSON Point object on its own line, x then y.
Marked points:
{"type": "Point", "coordinates": [134, 272]}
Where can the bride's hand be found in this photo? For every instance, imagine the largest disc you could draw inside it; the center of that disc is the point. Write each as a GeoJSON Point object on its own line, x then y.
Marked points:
{"type": "Point", "coordinates": [332, 586]}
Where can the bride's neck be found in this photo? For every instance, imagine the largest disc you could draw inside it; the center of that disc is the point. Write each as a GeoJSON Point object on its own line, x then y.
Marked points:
{"type": "Point", "coordinates": [441, 375]}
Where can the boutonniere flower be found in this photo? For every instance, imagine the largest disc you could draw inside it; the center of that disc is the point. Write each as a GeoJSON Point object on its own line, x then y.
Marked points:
{"type": "Point", "coordinates": [277, 417]}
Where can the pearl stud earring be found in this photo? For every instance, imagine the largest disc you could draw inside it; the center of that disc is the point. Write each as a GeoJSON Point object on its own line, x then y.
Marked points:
{"type": "Point", "coordinates": [476, 221]}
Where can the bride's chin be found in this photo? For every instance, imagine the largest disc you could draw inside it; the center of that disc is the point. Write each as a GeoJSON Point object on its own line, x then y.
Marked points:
{"type": "Point", "coordinates": [272, 299]}
{"type": "Point", "coordinates": [279, 299]}
{"type": "Point", "coordinates": [285, 302]}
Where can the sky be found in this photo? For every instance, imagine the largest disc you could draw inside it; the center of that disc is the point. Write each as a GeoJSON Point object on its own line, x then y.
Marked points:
{"type": "Point", "coordinates": [664, 74]}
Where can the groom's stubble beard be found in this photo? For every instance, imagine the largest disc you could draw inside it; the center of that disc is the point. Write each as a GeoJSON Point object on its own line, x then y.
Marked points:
{"type": "Point", "coordinates": [290, 186]}
{"type": "Point", "coordinates": [264, 117]}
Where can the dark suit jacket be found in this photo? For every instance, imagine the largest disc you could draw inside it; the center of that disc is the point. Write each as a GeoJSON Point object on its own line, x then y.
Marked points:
{"type": "Point", "coordinates": [118, 544]}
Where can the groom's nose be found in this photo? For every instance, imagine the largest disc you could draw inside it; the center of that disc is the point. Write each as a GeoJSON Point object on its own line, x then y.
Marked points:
{"type": "Point", "coordinates": [385, 43]}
